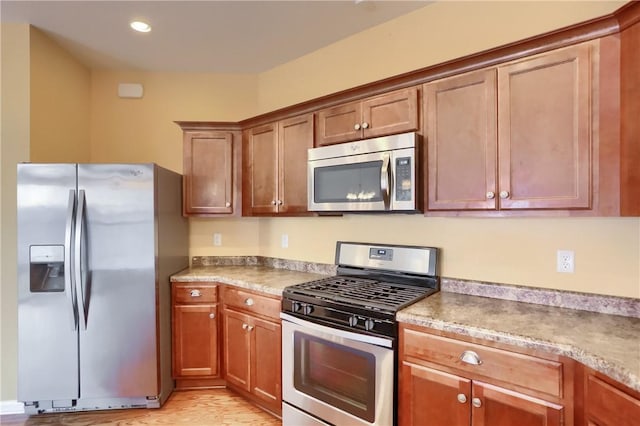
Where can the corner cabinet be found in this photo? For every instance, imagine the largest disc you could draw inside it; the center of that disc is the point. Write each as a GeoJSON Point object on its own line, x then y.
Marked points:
{"type": "Point", "coordinates": [476, 384]}
{"type": "Point", "coordinates": [211, 169]}
{"type": "Point", "coordinates": [252, 347]}
{"type": "Point", "coordinates": [275, 167]}
{"type": "Point", "coordinates": [608, 403]}
{"type": "Point", "coordinates": [513, 137]}
{"type": "Point", "coordinates": [195, 331]}
{"type": "Point", "coordinates": [393, 112]}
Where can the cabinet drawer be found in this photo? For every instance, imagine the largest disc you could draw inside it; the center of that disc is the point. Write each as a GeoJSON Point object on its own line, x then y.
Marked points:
{"type": "Point", "coordinates": [526, 371]}
{"type": "Point", "coordinates": [252, 302]}
{"type": "Point", "coordinates": [194, 293]}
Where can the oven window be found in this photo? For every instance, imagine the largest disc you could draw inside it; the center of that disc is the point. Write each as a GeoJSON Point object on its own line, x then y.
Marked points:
{"type": "Point", "coordinates": [348, 183]}
{"type": "Point", "coordinates": [341, 376]}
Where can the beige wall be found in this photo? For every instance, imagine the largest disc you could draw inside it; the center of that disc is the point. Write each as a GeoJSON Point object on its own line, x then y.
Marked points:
{"type": "Point", "coordinates": [60, 93]}
{"type": "Point", "coordinates": [14, 148]}
{"type": "Point", "coordinates": [431, 35]}
{"type": "Point", "coordinates": [142, 130]}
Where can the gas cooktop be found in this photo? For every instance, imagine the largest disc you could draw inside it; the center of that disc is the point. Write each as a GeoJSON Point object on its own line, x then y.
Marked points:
{"type": "Point", "coordinates": [373, 282]}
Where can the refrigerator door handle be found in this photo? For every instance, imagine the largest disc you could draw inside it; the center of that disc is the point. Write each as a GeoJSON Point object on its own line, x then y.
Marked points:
{"type": "Point", "coordinates": [80, 285]}
{"type": "Point", "coordinates": [69, 285]}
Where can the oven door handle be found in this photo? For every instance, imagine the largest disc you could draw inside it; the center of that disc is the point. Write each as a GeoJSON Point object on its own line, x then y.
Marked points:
{"type": "Point", "coordinates": [358, 337]}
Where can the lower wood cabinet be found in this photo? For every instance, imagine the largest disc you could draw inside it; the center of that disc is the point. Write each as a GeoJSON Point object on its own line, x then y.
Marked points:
{"type": "Point", "coordinates": [252, 347]}
{"type": "Point", "coordinates": [449, 382]}
{"type": "Point", "coordinates": [608, 403]}
{"type": "Point", "coordinates": [196, 355]}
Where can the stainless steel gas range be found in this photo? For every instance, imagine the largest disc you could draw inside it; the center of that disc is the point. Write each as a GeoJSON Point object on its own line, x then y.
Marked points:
{"type": "Point", "coordinates": [339, 334]}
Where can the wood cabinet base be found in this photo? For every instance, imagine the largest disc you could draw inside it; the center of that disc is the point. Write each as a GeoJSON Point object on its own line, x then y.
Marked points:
{"type": "Point", "coordinates": [273, 408]}
{"type": "Point", "coordinates": [189, 384]}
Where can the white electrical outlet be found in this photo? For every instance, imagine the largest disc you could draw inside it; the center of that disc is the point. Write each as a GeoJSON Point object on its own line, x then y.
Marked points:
{"type": "Point", "coordinates": [566, 261]}
{"type": "Point", "coordinates": [217, 239]}
{"type": "Point", "coordinates": [284, 241]}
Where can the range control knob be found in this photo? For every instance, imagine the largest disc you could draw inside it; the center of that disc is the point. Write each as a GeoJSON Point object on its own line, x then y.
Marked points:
{"type": "Point", "coordinates": [295, 306]}
{"type": "Point", "coordinates": [353, 321]}
{"type": "Point", "coordinates": [369, 324]}
{"type": "Point", "coordinates": [307, 309]}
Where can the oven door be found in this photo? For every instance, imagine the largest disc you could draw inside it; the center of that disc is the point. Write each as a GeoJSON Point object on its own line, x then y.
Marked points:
{"type": "Point", "coordinates": [337, 376]}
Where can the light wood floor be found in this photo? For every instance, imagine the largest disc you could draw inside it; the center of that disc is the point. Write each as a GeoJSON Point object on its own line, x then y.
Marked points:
{"type": "Point", "coordinates": [194, 408]}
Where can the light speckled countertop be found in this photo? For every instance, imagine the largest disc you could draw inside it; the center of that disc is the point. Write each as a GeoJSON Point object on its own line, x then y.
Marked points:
{"type": "Point", "coordinates": [607, 343]}
{"type": "Point", "coordinates": [254, 277]}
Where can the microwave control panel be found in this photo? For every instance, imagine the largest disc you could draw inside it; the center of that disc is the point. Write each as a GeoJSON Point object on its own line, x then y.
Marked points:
{"type": "Point", "coordinates": [403, 179]}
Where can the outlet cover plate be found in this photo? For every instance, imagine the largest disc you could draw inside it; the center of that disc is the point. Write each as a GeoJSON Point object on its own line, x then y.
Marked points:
{"type": "Point", "coordinates": [565, 261]}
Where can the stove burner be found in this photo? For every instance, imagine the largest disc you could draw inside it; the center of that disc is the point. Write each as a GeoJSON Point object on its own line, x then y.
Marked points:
{"type": "Point", "coordinates": [373, 294]}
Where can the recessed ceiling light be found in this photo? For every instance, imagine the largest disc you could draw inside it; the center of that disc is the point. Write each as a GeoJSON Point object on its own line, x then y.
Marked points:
{"type": "Point", "coordinates": [140, 26]}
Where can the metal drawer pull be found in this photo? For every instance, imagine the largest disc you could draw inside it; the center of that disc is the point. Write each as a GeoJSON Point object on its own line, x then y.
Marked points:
{"type": "Point", "coordinates": [250, 327]}
{"type": "Point", "coordinates": [195, 293]}
{"type": "Point", "coordinates": [462, 398]}
{"type": "Point", "coordinates": [470, 357]}
{"type": "Point", "coordinates": [476, 402]}
{"type": "Point", "coordinates": [212, 315]}
{"type": "Point", "coordinates": [244, 326]}
{"type": "Point", "coordinates": [249, 302]}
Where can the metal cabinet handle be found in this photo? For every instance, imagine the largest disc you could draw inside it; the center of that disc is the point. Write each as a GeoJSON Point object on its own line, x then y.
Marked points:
{"type": "Point", "coordinates": [212, 315]}
{"type": "Point", "coordinates": [356, 127]}
{"type": "Point", "coordinates": [491, 195]}
{"type": "Point", "coordinates": [476, 402]}
{"type": "Point", "coordinates": [244, 326]}
{"type": "Point", "coordinates": [195, 293]}
{"type": "Point", "coordinates": [470, 357]}
{"type": "Point", "coordinates": [279, 202]}
{"type": "Point", "coordinates": [249, 302]}
{"type": "Point", "coordinates": [250, 327]}
{"type": "Point", "coordinates": [365, 125]}
{"type": "Point", "coordinates": [273, 202]}
{"type": "Point", "coordinates": [227, 204]}
{"type": "Point", "coordinates": [462, 398]}
{"type": "Point", "coordinates": [504, 194]}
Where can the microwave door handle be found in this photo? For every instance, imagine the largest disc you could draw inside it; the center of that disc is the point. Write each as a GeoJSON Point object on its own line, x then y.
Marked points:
{"type": "Point", "coordinates": [385, 180]}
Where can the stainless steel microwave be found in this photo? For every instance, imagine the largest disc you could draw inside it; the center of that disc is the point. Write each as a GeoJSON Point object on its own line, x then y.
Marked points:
{"type": "Point", "coordinates": [372, 175]}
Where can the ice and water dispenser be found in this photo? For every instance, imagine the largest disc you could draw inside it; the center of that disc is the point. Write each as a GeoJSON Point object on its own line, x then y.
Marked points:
{"type": "Point", "coordinates": [46, 268]}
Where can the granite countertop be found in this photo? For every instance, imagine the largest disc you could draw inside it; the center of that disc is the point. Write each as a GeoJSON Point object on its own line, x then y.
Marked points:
{"type": "Point", "coordinates": [609, 344]}
{"type": "Point", "coordinates": [253, 277]}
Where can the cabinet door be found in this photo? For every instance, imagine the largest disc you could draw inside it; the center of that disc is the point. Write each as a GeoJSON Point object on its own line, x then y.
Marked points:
{"type": "Point", "coordinates": [495, 406]}
{"type": "Point", "coordinates": [236, 349]}
{"type": "Point", "coordinates": [208, 173]}
{"type": "Point", "coordinates": [395, 112]}
{"type": "Point", "coordinates": [295, 138]}
{"type": "Point", "coordinates": [339, 124]}
{"type": "Point", "coordinates": [461, 138]}
{"type": "Point", "coordinates": [429, 397]}
{"type": "Point", "coordinates": [266, 362]}
{"type": "Point", "coordinates": [195, 341]}
{"type": "Point", "coordinates": [608, 406]}
{"type": "Point", "coordinates": [260, 167]}
{"type": "Point", "coordinates": [544, 131]}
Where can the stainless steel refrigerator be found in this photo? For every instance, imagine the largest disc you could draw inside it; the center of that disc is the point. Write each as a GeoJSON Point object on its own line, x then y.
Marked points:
{"type": "Point", "coordinates": [96, 246]}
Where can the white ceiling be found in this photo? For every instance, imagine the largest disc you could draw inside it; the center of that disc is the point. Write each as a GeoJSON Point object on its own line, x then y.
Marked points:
{"type": "Point", "coordinates": [200, 36]}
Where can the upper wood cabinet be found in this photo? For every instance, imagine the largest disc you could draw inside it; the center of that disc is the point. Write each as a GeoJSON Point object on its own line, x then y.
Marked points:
{"type": "Point", "coordinates": [517, 136]}
{"type": "Point", "coordinates": [393, 112]}
{"type": "Point", "coordinates": [275, 167]}
{"type": "Point", "coordinates": [211, 163]}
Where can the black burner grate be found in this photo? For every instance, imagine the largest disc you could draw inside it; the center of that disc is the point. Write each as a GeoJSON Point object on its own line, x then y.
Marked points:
{"type": "Point", "coordinates": [362, 292]}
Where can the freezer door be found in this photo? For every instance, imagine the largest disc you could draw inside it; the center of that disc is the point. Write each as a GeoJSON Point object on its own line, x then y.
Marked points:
{"type": "Point", "coordinates": [116, 251]}
{"type": "Point", "coordinates": [47, 319]}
